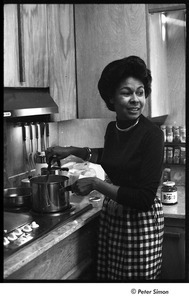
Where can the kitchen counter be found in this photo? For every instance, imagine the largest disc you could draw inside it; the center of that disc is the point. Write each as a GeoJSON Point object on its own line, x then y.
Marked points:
{"type": "Point", "coordinates": [32, 251]}
{"type": "Point", "coordinates": [61, 232]}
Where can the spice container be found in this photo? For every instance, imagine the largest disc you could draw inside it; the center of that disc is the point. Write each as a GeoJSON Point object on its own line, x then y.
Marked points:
{"type": "Point", "coordinates": [169, 134]}
{"type": "Point", "coordinates": [163, 128]}
{"type": "Point", "coordinates": [169, 193]}
{"type": "Point", "coordinates": [182, 134]}
{"type": "Point", "coordinates": [176, 157]}
{"type": "Point", "coordinates": [183, 155]}
{"type": "Point", "coordinates": [165, 155]}
{"type": "Point", "coordinates": [169, 155]}
{"type": "Point", "coordinates": [176, 134]}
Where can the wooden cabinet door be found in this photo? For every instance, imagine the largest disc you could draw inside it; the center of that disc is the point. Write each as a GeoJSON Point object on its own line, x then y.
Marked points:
{"type": "Point", "coordinates": [104, 32]}
{"type": "Point", "coordinates": [11, 63]}
{"type": "Point", "coordinates": [35, 45]}
{"type": "Point", "coordinates": [34, 54]}
{"type": "Point", "coordinates": [173, 264]}
{"type": "Point", "coordinates": [62, 60]}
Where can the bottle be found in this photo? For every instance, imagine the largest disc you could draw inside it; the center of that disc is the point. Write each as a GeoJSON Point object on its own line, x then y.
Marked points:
{"type": "Point", "coordinates": [169, 193]}
{"type": "Point", "coordinates": [169, 136]}
{"type": "Point", "coordinates": [165, 155]}
{"type": "Point", "coordinates": [169, 155]}
{"type": "Point", "coordinates": [163, 128]}
{"type": "Point", "coordinates": [182, 134]}
{"type": "Point", "coordinates": [176, 134]}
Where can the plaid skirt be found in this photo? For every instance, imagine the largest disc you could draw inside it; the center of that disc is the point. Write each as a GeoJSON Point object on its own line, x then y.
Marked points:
{"type": "Point", "coordinates": [130, 242]}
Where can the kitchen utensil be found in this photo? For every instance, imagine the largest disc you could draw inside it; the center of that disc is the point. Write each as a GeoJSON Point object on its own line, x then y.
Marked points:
{"type": "Point", "coordinates": [42, 129]}
{"type": "Point", "coordinates": [31, 154]}
{"type": "Point", "coordinates": [32, 146]}
{"type": "Point", "coordinates": [17, 197]}
{"type": "Point", "coordinates": [50, 196]}
{"type": "Point", "coordinates": [26, 161]}
{"type": "Point", "coordinates": [47, 135]}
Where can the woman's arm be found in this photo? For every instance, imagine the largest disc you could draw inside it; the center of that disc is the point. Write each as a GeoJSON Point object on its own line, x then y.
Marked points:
{"type": "Point", "coordinates": [85, 153]}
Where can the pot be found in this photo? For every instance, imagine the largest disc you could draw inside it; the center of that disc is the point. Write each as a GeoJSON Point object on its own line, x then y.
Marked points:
{"type": "Point", "coordinates": [17, 197]}
{"type": "Point", "coordinates": [49, 193]}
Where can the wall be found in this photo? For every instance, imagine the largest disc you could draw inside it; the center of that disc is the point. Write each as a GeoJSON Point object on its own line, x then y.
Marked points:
{"type": "Point", "coordinates": [167, 63]}
{"type": "Point", "coordinates": [176, 63]}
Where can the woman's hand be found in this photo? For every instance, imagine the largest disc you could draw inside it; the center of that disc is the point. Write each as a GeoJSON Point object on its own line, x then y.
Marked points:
{"type": "Point", "coordinates": [57, 153]}
{"type": "Point", "coordinates": [84, 186]}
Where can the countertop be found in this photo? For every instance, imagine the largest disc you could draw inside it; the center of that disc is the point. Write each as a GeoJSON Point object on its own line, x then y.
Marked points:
{"type": "Point", "coordinates": [42, 244]}
{"type": "Point", "coordinates": [33, 250]}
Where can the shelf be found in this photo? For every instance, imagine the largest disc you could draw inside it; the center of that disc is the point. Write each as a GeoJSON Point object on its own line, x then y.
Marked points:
{"type": "Point", "coordinates": [174, 144]}
{"type": "Point", "coordinates": [166, 165]}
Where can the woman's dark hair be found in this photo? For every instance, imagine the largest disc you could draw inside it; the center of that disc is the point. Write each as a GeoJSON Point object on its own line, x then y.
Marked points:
{"type": "Point", "coordinates": [118, 70]}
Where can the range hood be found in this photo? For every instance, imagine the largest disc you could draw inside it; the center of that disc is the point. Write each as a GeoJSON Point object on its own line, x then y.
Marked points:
{"type": "Point", "coordinates": [21, 102]}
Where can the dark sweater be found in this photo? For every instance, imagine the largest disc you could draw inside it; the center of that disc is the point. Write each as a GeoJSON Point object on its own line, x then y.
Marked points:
{"type": "Point", "coordinates": [133, 160]}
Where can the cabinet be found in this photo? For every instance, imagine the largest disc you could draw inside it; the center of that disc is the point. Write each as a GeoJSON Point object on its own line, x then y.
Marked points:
{"type": "Point", "coordinates": [104, 32]}
{"type": "Point", "coordinates": [31, 58]}
{"type": "Point", "coordinates": [62, 74]}
{"type": "Point", "coordinates": [173, 264]}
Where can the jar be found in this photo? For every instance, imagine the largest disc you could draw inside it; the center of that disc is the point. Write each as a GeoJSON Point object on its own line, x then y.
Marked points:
{"type": "Point", "coordinates": [182, 134]}
{"type": "Point", "coordinates": [176, 134]}
{"type": "Point", "coordinates": [169, 136]}
{"type": "Point", "coordinates": [169, 193]}
{"type": "Point", "coordinates": [163, 128]}
{"type": "Point", "coordinates": [183, 155]}
{"type": "Point", "coordinates": [165, 155]}
{"type": "Point", "coordinates": [176, 157]}
{"type": "Point", "coordinates": [169, 155]}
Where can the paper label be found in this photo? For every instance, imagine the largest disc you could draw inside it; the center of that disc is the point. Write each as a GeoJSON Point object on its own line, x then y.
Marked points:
{"type": "Point", "coordinates": [169, 197]}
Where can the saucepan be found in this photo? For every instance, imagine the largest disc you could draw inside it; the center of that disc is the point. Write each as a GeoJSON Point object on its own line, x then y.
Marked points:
{"type": "Point", "coordinates": [16, 197]}
{"type": "Point", "coordinates": [50, 193]}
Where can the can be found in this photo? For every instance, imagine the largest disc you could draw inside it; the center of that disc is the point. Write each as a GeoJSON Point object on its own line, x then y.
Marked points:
{"type": "Point", "coordinates": [169, 193]}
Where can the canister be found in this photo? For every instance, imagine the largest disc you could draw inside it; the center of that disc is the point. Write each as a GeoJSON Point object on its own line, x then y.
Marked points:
{"type": "Point", "coordinates": [169, 193]}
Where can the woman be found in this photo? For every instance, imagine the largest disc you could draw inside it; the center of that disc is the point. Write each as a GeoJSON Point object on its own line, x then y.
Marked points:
{"type": "Point", "coordinates": [131, 221]}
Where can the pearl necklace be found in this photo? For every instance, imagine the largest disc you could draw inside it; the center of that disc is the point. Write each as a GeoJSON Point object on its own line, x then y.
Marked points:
{"type": "Point", "coordinates": [129, 128]}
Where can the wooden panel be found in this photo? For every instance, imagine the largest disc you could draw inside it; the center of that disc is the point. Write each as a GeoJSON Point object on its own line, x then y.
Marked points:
{"type": "Point", "coordinates": [35, 44]}
{"type": "Point", "coordinates": [62, 59]}
{"type": "Point", "coordinates": [153, 8]}
{"type": "Point", "coordinates": [11, 69]}
{"type": "Point", "coordinates": [105, 32]}
{"type": "Point", "coordinates": [59, 261]}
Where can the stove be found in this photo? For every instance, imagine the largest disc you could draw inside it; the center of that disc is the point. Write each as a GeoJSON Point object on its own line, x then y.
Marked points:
{"type": "Point", "coordinates": [22, 227]}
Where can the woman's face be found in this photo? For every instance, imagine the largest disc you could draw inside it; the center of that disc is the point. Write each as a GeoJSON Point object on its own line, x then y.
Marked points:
{"type": "Point", "coordinates": [129, 99]}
